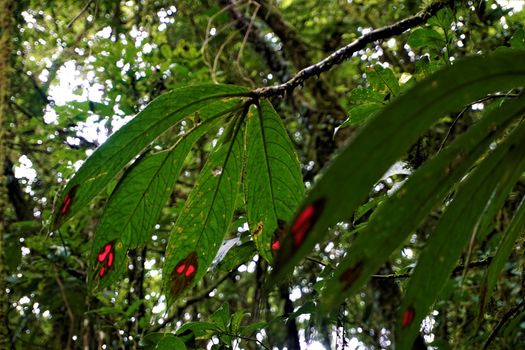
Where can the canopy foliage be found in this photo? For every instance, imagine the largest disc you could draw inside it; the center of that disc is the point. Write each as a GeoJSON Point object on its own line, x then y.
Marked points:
{"type": "Point", "coordinates": [262, 174]}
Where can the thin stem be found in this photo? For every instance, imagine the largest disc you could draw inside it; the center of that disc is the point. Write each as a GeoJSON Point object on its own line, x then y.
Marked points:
{"type": "Point", "coordinates": [79, 14]}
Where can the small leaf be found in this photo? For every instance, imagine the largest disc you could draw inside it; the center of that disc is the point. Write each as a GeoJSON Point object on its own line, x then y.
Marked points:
{"type": "Point", "coordinates": [364, 95]}
{"type": "Point", "coordinates": [426, 37]}
{"type": "Point", "coordinates": [518, 39]}
{"type": "Point", "coordinates": [361, 114]}
{"type": "Point", "coordinates": [200, 329]}
{"type": "Point", "coordinates": [382, 80]}
{"type": "Point", "coordinates": [221, 317]}
{"type": "Point", "coordinates": [163, 341]}
{"type": "Point", "coordinates": [237, 255]}
{"type": "Point", "coordinates": [236, 321]}
{"type": "Point", "coordinates": [442, 19]}
{"type": "Point", "coordinates": [257, 326]}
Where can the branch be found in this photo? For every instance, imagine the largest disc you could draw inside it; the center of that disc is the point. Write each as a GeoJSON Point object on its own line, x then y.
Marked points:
{"type": "Point", "coordinates": [79, 14]}
{"type": "Point", "coordinates": [506, 317]}
{"type": "Point", "coordinates": [456, 272]}
{"type": "Point", "coordinates": [347, 51]}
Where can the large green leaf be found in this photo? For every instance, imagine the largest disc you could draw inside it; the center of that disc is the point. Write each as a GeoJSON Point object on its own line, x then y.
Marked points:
{"type": "Point", "coordinates": [481, 195]}
{"type": "Point", "coordinates": [136, 203]}
{"type": "Point", "coordinates": [273, 181]}
{"type": "Point", "coordinates": [347, 182]}
{"type": "Point", "coordinates": [400, 215]}
{"type": "Point", "coordinates": [162, 113]}
{"type": "Point", "coordinates": [501, 256]}
{"type": "Point", "coordinates": [206, 215]}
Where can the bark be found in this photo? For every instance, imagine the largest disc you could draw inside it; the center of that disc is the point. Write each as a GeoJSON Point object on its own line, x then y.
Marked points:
{"type": "Point", "coordinates": [5, 67]}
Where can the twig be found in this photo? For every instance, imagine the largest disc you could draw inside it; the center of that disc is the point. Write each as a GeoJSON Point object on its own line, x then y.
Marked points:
{"type": "Point", "coordinates": [457, 270]}
{"type": "Point", "coordinates": [251, 32]}
{"type": "Point", "coordinates": [246, 338]}
{"type": "Point", "coordinates": [506, 317]}
{"type": "Point", "coordinates": [486, 98]}
{"type": "Point", "coordinates": [68, 307]}
{"type": "Point", "coordinates": [347, 51]}
{"type": "Point", "coordinates": [79, 14]}
{"type": "Point", "coordinates": [191, 302]}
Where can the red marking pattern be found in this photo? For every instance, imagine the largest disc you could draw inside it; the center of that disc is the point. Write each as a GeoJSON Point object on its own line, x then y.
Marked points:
{"type": "Point", "coordinates": [306, 220]}
{"type": "Point", "coordinates": [68, 200]}
{"type": "Point", "coordinates": [276, 245]}
{"type": "Point", "coordinates": [408, 317]}
{"type": "Point", "coordinates": [190, 271]}
{"type": "Point", "coordinates": [106, 257]}
{"type": "Point", "coordinates": [183, 274]}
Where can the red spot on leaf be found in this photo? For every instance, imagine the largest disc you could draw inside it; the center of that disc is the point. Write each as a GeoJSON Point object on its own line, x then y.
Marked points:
{"type": "Point", "coordinates": [183, 274]}
{"type": "Point", "coordinates": [68, 200]}
{"type": "Point", "coordinates": [190, 271]}
{"type": "Point", "coordinates": [350, 275]}
{"type": "Point", "coordinates": [305, 221]}
{"type": "Point", "coordinates": [110, 260]}
{"type": "Point", "coordinates": [104, 252]}
{"type": "Point", "coordinates": [106, 257]}
{"type": "Point", "coordinates": [278, 235]}
{"type": "Point", "coordinates": [408, 317]}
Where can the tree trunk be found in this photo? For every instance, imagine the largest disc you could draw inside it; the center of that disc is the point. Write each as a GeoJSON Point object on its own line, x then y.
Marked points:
{"type": "Point", "coordinates": [5, 55]}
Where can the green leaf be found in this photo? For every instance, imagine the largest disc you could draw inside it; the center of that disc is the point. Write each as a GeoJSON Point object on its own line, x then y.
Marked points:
{"type": "Point", "coordinates": [252, 327]}
{"type": "Point", "coordinates": [426, 37]}
{"type": "Point", "coordinates": [481, 195]}
{"type": "Point", "coordinates": [136, 203]}
{"type": "Point", "coordinates": [236, 321]}
{"type": "Point", "coordinates": [500, 258]}
{"type": "Point", "coordinates": [518, 39]}
{"type": "Point", "coordinates": [236, 256]}
{"type": "Point", "coordinates": [401, 214]}
{"type": "Point", "coordinates": [206, 215]}
{"type": "Point", "coordinates": [426, 66]}
{"type": "Point", "coordinates": [364, 95]}
{"type": "Point", "coordinates": [347, 182]}
{"type": "Point", "coordinates": [361, 114]}
{"type": "Point", "coordinates": [163, 341]}
{"type": "Point", "coordinates": [382, 80]}
{"type": "Point", "coordinates": [162, 113]}
{"type": "Point", "coordinates": [442, 19]}
{"type": "Point", "coordinates": [200, 329]}
{"type": "Point", "coordinates": [165, 49]}
{"type": "Point", "coordinates": [273, 181]}
{"type": "Point", "coordinates": [221, 317]}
